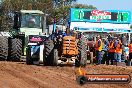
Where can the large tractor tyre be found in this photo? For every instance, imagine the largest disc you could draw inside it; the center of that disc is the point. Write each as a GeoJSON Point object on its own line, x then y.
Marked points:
{"type": "Point", "coordinates": [15, 49]}
{"type": "Point", "coordinates": [29, 60]}
{"type": "Point", "coordinates": [82, 54]}
{"type": "Point", "coordinates": [3, 48]}
{"type": "Point", "coordinates": [55, 57]}
{"type": "Point", "coordinates": [48, 49]}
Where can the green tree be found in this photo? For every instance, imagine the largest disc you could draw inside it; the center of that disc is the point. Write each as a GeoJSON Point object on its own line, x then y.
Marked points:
{"type": "Point", "coordinates": [84, 6]}
{"type": "Point", "coordinates": [47, 6]}
{"type": "Point", "coordinates": [9, 6]}
{"type": "Point", "coordinates": [63, 11]}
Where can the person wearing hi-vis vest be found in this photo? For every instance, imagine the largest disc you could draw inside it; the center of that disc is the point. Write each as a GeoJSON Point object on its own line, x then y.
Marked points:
{"type": "Point", "coordinates": [130, 53]}
{"type": "Point", "coordinates": [98, 48]}
{"type": "Point", "coordinates": [118, 52]}
{"type": "Point", "coordinates": [111, 50]}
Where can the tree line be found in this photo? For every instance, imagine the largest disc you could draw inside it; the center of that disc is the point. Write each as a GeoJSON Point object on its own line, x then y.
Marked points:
{"type": "Point", "coordinates": [54, 8]}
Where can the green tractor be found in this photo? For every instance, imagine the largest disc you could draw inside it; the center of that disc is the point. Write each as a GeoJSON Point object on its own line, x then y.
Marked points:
{"type": "Point", "coordinates": [25, 38]}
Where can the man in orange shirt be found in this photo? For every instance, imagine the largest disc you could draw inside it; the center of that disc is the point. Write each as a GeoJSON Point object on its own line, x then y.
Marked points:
{"type": "Point", "coordinates": [118, 48]}
{"type": "Point", "coordinates": [111, 50]}
{"type": "Point", "coordinates": [130, 53]}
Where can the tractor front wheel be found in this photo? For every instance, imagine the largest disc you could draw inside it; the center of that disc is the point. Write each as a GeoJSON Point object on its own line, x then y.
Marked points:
{"type": "Point", "coordinates": [48, 48]}
{"type": "Point", "coordinates": [55, 57]}
{"type": "Point", "coordinates": [29, 60]}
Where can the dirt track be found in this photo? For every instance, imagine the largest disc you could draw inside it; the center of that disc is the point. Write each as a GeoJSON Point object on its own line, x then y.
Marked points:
{"type": "Point", "coordinates": [20, 75]}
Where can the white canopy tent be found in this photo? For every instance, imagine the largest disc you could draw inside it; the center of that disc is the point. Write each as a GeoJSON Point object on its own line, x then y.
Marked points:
{"type": "Point", "coordinates": [101, 27]}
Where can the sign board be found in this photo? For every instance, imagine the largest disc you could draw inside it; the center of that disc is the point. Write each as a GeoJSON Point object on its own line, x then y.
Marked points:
{"type": "Point", "coordinates": [83, 29]}
{"type": "Point", "coordinates": [116, 30]}
{"type": "Point", "coordinates": [88, 29]}
{"type": "Point", "coordinates": [101, 30]}
{"type": "Point", "coordinates": [100, 16]}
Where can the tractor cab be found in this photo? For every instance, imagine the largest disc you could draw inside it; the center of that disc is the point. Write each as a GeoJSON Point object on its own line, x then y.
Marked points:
{"type": "Point", "coordinates": [29, 22]}
{"type": "Point", "coordinates": [28, 26]}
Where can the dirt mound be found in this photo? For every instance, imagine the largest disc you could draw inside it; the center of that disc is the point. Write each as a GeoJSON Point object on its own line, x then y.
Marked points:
{"type": "Point", "coordinates": [20, 75]}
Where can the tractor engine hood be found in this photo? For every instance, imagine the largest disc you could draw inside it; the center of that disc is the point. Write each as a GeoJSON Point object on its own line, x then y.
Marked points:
{"type": "Point", "coordinates": [31, 31]}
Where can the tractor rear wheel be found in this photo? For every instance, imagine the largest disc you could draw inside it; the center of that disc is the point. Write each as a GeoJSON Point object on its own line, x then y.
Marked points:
{"type": "Point", "coordinates": [82, 54]}
{"type": "Point", "coordinates": [3, 48]}
{"type": "Point", "coordinates": [48, 48]}
{"type": "Point", "coordinates": [15, 49]}
{"type": "Point", "coordinates": [29, 60]}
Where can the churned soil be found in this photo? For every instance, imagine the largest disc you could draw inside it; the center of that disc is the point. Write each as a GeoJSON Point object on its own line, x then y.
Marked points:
{"type": "Point", "coordinates": [20, 75]}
